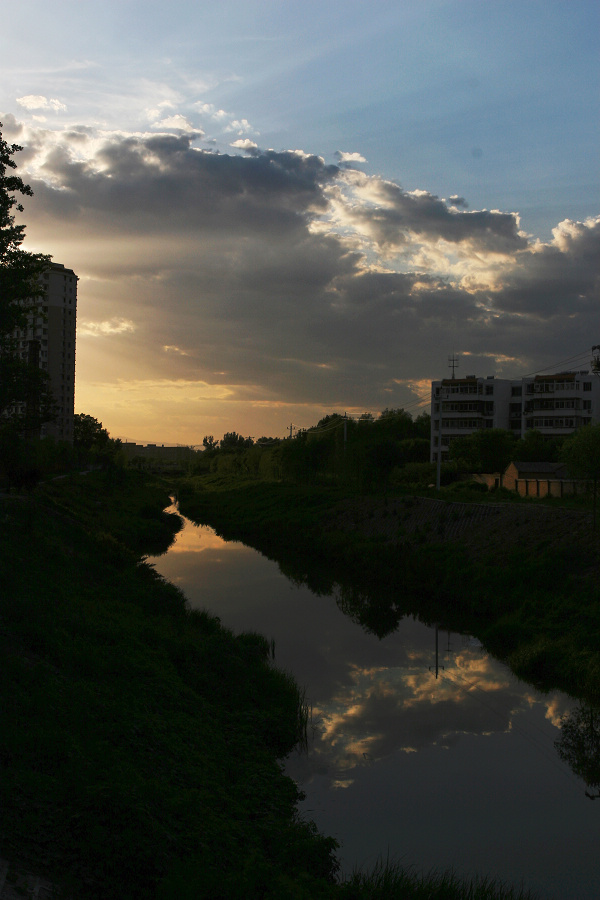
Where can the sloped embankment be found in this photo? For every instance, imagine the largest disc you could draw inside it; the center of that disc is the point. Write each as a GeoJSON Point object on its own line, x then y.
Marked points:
{"type": "Point", "coordinates": [480, 527]}
{"type": "Point", "coordinates": [522, 577]}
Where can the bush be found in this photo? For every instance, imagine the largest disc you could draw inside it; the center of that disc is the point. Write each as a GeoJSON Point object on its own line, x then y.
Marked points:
{"type": "Point", "coordinates": [477, 487]}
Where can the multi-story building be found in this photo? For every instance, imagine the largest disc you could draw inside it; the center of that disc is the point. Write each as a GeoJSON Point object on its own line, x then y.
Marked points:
{"type": "Point", "coordinates": [555, 405]}
{"type": "Point", "coordinates": [49, 342]}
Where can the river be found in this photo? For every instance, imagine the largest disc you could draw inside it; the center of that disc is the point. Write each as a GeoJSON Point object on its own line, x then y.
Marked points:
{"type": "Point", "coordinates": [439, 761]}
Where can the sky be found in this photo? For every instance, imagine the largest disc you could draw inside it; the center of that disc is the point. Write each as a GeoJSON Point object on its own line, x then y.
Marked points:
{"type": "Point", "coordinates": [280, 210]}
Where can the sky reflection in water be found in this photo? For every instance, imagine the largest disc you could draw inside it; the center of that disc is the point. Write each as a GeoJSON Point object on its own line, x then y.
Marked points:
{"type": "Point", "coordinates": [458, 770]}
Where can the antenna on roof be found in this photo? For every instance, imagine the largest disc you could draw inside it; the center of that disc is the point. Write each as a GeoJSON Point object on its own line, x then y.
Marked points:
{"type": "Point", "coordinates": [453, 363]}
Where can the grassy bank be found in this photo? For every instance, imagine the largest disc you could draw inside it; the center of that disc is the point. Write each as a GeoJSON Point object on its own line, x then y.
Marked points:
{"type": "Point", "coordinates": [522, 577]}
{"type": "Point", "coordinates": [139, 741]}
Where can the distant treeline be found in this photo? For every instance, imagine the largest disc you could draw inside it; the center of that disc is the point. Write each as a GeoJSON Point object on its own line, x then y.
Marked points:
{"type": "Point", "coordinates": [391, 451]}
{"type": "Point", "coordinates": [26, 460]}
{"type": "Point", "coordinates": [364, 452]}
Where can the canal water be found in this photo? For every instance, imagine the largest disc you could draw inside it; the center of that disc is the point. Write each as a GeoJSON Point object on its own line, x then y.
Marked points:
{"type": "Point", "coordinates": [437, 760]}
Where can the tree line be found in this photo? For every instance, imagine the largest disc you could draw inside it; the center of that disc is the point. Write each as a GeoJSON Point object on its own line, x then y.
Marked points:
{"type": "Point", "coordinates": [364, 452]}
{"type": "Point", "coordinates": [392, 450]}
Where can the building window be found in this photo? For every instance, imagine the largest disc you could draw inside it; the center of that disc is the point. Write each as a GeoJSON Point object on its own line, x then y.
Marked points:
{"type": "Point", "coordinates": [587, 385]}
{"type": "Point", "coordinates": [516, 391]}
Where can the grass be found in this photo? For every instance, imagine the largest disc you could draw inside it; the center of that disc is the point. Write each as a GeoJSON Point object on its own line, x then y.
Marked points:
{"type": "Point", "coordinates": [139, 741]}
{"type": "Point", "coordinates": [392, 881]}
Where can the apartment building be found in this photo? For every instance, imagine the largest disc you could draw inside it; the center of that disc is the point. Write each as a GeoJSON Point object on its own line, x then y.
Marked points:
{"type": "Point", "coordinates": [555, 405]}
{"type": "Point", "coordinates": [49, 342]}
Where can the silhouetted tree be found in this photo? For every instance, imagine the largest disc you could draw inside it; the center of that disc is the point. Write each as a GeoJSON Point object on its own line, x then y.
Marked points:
{"type": "Point", "coordinates": [581, 455]}
{"type": "Point", "coordinates": [534, 447]}
{"type": "Point", "coordinates": [234, 441]}
{"type": "Point", "coordinates": [88, 432]}
{"type": "Point", "coordinates": [25, 398]}
{"type": "Point", "coordinates": [579, 745]}
{"type": "Point", "coordinates": [485, 450]}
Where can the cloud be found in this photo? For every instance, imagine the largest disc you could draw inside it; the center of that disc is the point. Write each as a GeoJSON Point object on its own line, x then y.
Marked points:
{"type": "Point", "coordinates": [244, 144]}
{"type": "Point", "coordinates": [227, 122]}
{"type": "Point", "coordinates": [378, 711]}
{"type": "Point", "coordinates": [210, 110]}
{"type": "Point", "coordinates": [349, 157]}
{"type": "Point", "coordinates": [308, 285]}
{"type": "Point", "coordinates": [555, 280]}
{"type": "Point", "coordinates": [179, 123]}
{"type": "Point", "coordinates": [169, 348]}
{"type": "Point", "coordinates": [394, 218]}
{"type": "Point", "coordinates": [37, 101]}
{"type": "Point", "coordinates": [85, 328]}
{"type": "Point", "coordinates": [241, 126]}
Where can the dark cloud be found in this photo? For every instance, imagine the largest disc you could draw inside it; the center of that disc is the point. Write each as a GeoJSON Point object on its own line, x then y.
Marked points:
{"type": "Point", "coordinates": [399, 216]}
{"type": "Point", "coordinates": [234, 260]}
{"type": "Point", "coordinates": [556, 281]}
{"type": "Point", "coordinates": [162, 185]}
{"type": "Point", "coordinates": [11, 128]}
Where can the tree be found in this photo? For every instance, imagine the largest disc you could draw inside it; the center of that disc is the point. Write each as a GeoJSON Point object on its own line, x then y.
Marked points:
{"type": "Point", "coordinates": [20, 271]}
{"type": "Point", "coordinates": [26, 400]}
{"type": "Point", "coordinates": [331, 419]}
{"type": "Point", "coordinates": [88, 433]}
{"type": "Point", "coordinates": [581, 455]}
{"type": "Point", "coordinates": [234, 441]}
{"type": "Point", "coordinates": [579, 745]}
{"type": "Point", "coordinates": [534, 447]}
{"type": "Point", "coordinates": [422, 426]}
{"type": "Point", "coordinates": [209, 443]}
{"type": "Point", "coordinates": [395, 424]}
{"type": "Point", "coordinates": [25, 397]}
{"type": "Point", "coordinates": [485, 450]}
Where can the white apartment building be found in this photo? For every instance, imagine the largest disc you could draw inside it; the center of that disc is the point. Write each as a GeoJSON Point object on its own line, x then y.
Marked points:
{"type": "Point", "coordinates": [49, 342]}
{"type": "Point", "coordinates": [555, 405]}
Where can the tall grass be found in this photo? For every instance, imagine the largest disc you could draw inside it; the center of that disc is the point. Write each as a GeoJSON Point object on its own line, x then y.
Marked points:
{"type": "Point", "coordinates": [392, 881]}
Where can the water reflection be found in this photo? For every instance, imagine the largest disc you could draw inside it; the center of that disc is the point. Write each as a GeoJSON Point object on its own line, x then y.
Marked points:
{"type": "Point", "coordinates": [579, 746]}
{"type": "Point", "coordinates": [387, 709]}
{"type": "Point", "coordinates": [456, 771]}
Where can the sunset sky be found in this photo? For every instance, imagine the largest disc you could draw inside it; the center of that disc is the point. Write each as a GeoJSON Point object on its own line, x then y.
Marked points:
{"type": "Point", "coordinates": [279, 210]}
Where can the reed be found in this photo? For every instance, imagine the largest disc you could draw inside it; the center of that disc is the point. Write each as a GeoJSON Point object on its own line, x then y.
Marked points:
{"type": "Point", "coordinates": [389, 880]}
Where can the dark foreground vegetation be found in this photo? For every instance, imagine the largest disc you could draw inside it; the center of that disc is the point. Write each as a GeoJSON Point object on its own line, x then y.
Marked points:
{"type": "Point", "coordinates": [140, 741]}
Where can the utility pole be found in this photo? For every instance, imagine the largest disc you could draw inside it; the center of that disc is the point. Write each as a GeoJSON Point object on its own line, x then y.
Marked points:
{"type": "Point", "coordinates": [453, 364]}
{"type": "Point", "coordinates": [438, 474]}
{"type": "Point", "coordinates": [437, 666]}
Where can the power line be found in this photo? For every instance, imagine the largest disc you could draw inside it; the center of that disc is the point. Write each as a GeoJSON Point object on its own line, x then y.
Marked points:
{"type": "Point", "coordinates": [585, 354]}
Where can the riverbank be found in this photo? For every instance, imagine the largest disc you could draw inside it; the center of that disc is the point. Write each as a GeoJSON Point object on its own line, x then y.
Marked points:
{"type": "Point", "coordinates": [522, 577]}
{"type": "Point", "coordinates": [139, 741]}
